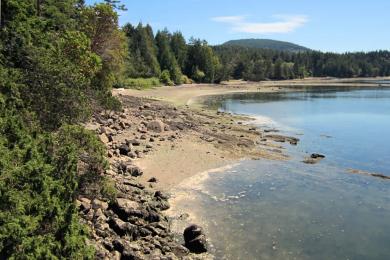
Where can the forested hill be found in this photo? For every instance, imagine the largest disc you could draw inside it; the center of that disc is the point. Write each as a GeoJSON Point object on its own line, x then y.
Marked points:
{"type": "Point", "coordinates": [266, 44]}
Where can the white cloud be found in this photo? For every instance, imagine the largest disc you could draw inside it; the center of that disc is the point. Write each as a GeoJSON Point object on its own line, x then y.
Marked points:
{"type": "Point", "coordinates": [284, 24]}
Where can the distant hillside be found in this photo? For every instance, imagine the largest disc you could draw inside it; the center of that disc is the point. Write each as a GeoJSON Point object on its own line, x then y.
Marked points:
{"type": "Point", "coordinates": [267, 44]}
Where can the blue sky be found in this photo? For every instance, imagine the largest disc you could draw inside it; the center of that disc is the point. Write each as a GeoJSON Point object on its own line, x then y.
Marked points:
{"type": "Point", "coordinates": [327, 25]}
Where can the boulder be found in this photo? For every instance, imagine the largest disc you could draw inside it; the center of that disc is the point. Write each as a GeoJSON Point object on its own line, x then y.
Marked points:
{"type": "Point", "coordinates": [156, 126]}
{"type": "Point", "coordinates": [124, 149]}
{"type": "Point", "coordinates": [195, 239]}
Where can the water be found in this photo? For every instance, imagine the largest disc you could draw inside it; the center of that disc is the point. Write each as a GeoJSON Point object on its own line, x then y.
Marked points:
{"type": "Point", "coordinates": [290, 210]}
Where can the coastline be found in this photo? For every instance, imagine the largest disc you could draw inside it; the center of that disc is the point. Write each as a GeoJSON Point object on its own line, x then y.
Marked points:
{"type": "Point", "coordinates": [175, 162]}
{"type": "Point", "coordinates": [168, 141]}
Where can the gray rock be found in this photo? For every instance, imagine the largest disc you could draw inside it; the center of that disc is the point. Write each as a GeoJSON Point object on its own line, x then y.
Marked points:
{"type": "Point", "coordinates": [123, 228]}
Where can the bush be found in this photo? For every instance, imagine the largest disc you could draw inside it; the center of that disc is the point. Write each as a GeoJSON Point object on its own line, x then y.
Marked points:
{"type": "Point", "coordinates": [140, 83]}
{"type": "Point", "coordinates": [166, 78]}
{"type": "Point", "coordinates": [199, 75]}
{"type": "Point", "coordinates": [186, 80]}
{"type": "Point", "coordinates": [40, 177]}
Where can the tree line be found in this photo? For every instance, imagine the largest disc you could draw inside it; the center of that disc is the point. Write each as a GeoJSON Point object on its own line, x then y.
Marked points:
{"type": "Point", "coordinates": [169, 57]}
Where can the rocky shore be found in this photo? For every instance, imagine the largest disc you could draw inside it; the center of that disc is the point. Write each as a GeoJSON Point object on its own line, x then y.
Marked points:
{"type": "Point", "coordinates": [133, 224]}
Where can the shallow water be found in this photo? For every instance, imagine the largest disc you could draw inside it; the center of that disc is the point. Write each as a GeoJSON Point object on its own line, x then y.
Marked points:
{"type": "Point", "coordinates": [290, 210]}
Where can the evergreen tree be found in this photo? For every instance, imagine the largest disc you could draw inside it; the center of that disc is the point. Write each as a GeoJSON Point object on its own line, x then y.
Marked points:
{"type": "Point", "coordinates": [166, 57]}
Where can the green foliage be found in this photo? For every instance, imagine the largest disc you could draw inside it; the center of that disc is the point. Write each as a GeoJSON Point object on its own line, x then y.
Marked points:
{"type": "Point", "coordinates": [140, 83]}
{"type": "Point", "coordinates": [201, 60]}
{"type": "Point", "coordinates": [259, 64]}
{"type": "Point", "coordinates": [108, 189]}
{"type": "Point", "coordinates": [107, 41]}
{"type": "Point", "coordinates": [142, 59]}
{"type": "Point", "coordinates": [186, 80]}
{"type": "Point", "coordinates": [165, 78]}
{"type": "Point", "coordinates": [167, 58]}
{"type": "Point", "coordinates": [58, 61]}
{"type": "Point", "coordinates": [39, 181]}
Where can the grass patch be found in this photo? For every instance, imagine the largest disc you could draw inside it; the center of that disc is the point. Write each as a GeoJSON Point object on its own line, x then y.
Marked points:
{"type": "Point", "coordinates": [140, 83]}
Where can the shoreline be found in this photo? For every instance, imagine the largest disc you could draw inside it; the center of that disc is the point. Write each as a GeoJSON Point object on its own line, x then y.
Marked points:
{"type": "Point", "coordinates": [173, 164]}
{"type": "Point", "coordinates": [187, 94]}
{"type": "Point", "coordinates": [163, 141]}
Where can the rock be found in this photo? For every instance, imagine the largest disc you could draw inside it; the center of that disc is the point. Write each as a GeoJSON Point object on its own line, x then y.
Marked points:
{"type": "Point", "coordinates": [161, 195]}
{"type": "Point", "coordinates": [179, 250]}
{"type": "Point", "coordinates": [103, 137]}
{"type": "Point", "coordinates": [134, 171]}
{"type": "Point", "coordinates": [84, 204]}
{"type": "Point", "coordinates": [314, 158]}
{"type": "Point", "coordinates": [126, 204]}
{"type": "Point", "coordinates": [123, 228]}
{"type": "Point", "coordinates": [129, 254]}
{"type": "Point", "coordinates": [133, 142]}
{"type": "Point", "coordinates": [124, 149]}
{"type": "Point", "coordinates": [122, 125]}
{"type": "Point", "coordinates": [317, 156]}
{"type": "Point", "coordinates": [98, 204]}
{"type": "Point", "coordinates": [153, 179]}
{"type": "Point", "coordinates": [118, 245]}
{"type": "Point", "coordinates": [195, 239]}
{"type": "Point", "coordinates": [156, 126]}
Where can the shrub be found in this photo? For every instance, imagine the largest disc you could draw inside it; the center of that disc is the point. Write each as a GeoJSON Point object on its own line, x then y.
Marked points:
{"type": "Point", "coordinates": [199, 75]}
{"type": "Point", "coordinates": [166, 78]}
{"type": "Point", "coordinates": [186, 80]}
{"type": "Point", "coordinates": [140, 83]}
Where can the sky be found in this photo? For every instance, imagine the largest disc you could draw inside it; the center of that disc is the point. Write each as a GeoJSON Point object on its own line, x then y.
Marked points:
{"type": "Point", "coordinates": [326, 25]}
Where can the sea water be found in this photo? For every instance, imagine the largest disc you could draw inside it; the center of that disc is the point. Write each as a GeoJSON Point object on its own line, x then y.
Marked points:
{"type": "Point", "coordinates": [290, 210]}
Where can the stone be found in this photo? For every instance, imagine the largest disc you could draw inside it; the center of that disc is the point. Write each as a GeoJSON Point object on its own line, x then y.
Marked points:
{"type": "Point", "coordinates": [153, 179]}
{"type": "Point", "coordinates": [161, 195]}
{"type": "Point", "coordinates": [133, 142]}
{"type": "Point", "coordinates": [122, 125]}
{"type": "Point", "coordinates": [124, 149]}
{"type": "Point", "coordinates": [84, 204]}
{"type": "Point", "coordinates": [134, 171]}
{"type": "Point", "coordinates": [317, 156]}
{"type": "Point", "coordinates": [156, 126]}
{"type": "Point", "coordinates": [123, 228]}
{"type": "Point", "coordinates": [126, 203]}
{"type": "Point", "coordinates": [98, 204]}
{"type": "Point", "coordinates": [103, 137]}
{"type": "Point", "coordinates": [195, 239]}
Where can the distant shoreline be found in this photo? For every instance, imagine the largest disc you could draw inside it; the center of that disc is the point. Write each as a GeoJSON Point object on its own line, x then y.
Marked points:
{"type": "Point", "coordinates": [187, 94]}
